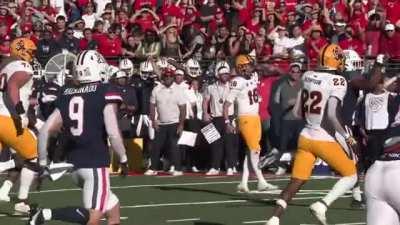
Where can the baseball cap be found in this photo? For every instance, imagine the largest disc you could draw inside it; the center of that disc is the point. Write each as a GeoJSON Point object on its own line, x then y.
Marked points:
{"type": "Point", "coordinates": [223, 70]}
{"type": "Point", "coordinates": [296, 64]}
{"type": "Point", "coordinates": [389, 27]}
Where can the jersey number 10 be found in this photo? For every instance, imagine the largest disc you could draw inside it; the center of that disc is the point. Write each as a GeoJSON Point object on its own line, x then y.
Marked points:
{"type": "Point", "coordinates": [310, 102]}
{"type": "Point", "coordinates": [76, 105]}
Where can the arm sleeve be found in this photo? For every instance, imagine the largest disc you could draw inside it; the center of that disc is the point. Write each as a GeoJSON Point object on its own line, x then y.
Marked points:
{"type": "Point", "coordinates": [52, 125]}
{"type": "Point", "coordinates": [111, 124]}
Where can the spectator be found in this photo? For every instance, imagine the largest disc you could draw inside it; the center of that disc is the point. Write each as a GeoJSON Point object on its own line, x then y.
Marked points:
{"type": "Point", "coordinates": [352, 42]}
{"type": "Point", "coordinates": [78, 28]}
{"type": "Point", "coordinates": [107, 18]}
{"type": "Point", "coordinates": [110, 45]}
{"type": "Point", "coordinates": [5, 46]}
{"type": "Point", "coordinates": [69, 42]}
{"type": "Point", "coordinates": [218, 21]}
{"type": "Point", "coordinates": [7, 17]}
{"type": "Point", "coordinates": [47, 48]}
{"type": "Point", "coordinates": [285, 97]}
{"type": "Point", "coordinates": [373, 34]}
{"type": "Point", "coordinates": [98, 30]}
{"type": "Point", "coordinates": [314, 44]}
{"type": "Point", "coordinates": [3, 30]}
{"type": "Point", "coordinates": [133, 46]}
{"type": "Point", "coordinates": [146, 18]}
{"type": "Point", "coordinates": [263, 49]}
{"type": "Point", "coordinates": [254, 24]}
{"type": "Point", "coordinates": [281, 43]}
{"type": "Point", "coordinates": [207, 11]}
{"type": "Point", "coordinates": [214, 97]}
{"type": "Point", "coordinates": [169, 104]}
{"type": "Point", "coordinates": [61, 27]}
{"type": "Point", "coordinates": [151, 45]}
{"type": "Point", "coordinates": [170, 46]}
{"type": "Point", "coordinates": [389, 43]}
{"type": "Point", "coordinates": [87, 39]}
{"type": "Point", "coordinates": [89, 16]}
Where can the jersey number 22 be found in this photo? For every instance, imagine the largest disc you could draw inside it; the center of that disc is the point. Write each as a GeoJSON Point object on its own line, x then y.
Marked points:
{"type": "Point", "coordinates": [310, 101]}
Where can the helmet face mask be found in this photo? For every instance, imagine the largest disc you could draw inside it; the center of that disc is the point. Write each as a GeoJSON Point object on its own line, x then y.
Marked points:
{"type": "Point", "coordinates": [193, 68]}
{"type": "Point", "coordinates": [353, 61]}
{"type": "Point", "coordinates": [146, 70]}
{"type": "Point", "coordinates": [244, 65]}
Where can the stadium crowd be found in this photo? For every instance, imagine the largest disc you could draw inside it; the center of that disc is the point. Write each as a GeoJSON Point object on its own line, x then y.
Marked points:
{"type": "Point", "coordinates": [200, 40]}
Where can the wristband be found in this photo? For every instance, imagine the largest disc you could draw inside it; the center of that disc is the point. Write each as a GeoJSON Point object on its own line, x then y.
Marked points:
{"type": "Point", "coordinates": [227, 121]}
{"type": "Point", "coordinates": [19, 108]}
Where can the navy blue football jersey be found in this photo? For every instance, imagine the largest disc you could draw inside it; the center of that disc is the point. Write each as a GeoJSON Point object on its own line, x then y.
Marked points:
{"type": "Point", "coordinates": [81, 109]}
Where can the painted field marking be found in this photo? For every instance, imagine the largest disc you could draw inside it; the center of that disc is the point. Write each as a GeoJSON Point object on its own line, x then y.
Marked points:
{"type": "Point", "coordinates": [182, 220]}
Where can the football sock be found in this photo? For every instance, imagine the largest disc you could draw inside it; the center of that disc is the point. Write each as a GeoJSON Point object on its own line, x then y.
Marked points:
{"type": "Point", "coordinates": [10, 164]}
{"type": "Point", "coordinates": [77, 215]}
{"type": "Point", "coordinates": [254, 158]}
{"type": "Point", "coordinates": [357, 193]}
{"type": "Point", "coordinates": [26, 180]}
{"type": "Point", "coordinates": [245, 174]}
{"type": "Point", "coordinates": [6, 187]}
{"type": "Point", "coordinates": [342, 185]}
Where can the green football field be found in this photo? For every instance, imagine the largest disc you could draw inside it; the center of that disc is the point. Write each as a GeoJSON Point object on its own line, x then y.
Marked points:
{"type": "Point", "coordinates": [195, 200]}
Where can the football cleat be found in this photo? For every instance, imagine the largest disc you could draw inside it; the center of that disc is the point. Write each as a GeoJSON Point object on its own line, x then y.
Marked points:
{"type": "Point", "coordinates": [194, 169]}
{"type": "Point", "coordinates": [229, 172]}
{"type": "Point", "coordinates": [150, 172]}
{"type": "Point", "coordinates": [35, 216]}
{"type": "Point", "coordinates": [243, 188]}
{"type": "Point", "coordinates": [268, 159]}
{"type": "Point", "coordinates": [212, 172]}
{"type": "Point", "coordinates": [177, 173]}
{"type": "Point", "coordinates": [318, 210]}
{"type": "Point", "coordinates": [273, 221]}
{"type": "Point", "coordinates": [265, 186]}
{"type": "Point", "coordinates": [21, 208]}
{"type": "Point", "coordinates": [280, 171]}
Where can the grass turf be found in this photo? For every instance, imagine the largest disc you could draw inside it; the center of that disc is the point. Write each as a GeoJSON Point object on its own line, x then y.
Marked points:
{"type": "Point", "coordinates": [194, 200]}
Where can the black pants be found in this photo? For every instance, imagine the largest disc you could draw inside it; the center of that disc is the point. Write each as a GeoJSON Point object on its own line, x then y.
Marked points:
{"type": "Point", "coordinates": [227, 144]}
{"type": "Point", "coordinates": [166, 137]}
{"type": "Point", "coordinates": [190, 154]}
{"type": "Point", "coordinates": [374, 148]}
{"type": "Point", "coordinates": [289, 133]}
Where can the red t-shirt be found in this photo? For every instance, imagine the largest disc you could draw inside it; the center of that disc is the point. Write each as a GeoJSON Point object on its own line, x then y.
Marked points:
{"type": "Point", "coordinates": [83, 44]}
{"type": "Point", "coordinates": [245, 13]}
{"type": "Point", "coordinates": [372, 38]}
{"type": "Point", "coordinates": [252, 27]}
{"type": "Point", "coordinates": [146, 22]}
{"type": "Point", "coordinates": [312, 54]}
{"type": "Point", "coordinates": [140, 3]}
{"type": "Point", "coordinates": [354, 44]}
{"type": "Point", "coordinates": [9, 20]}
{"type": "Point", "coordinates": [264, 90]}
{"type": "Point", "coordinates": [171, 10]}
{"type": "Point", "coordinates": [110, 47]}
{"type": "Point", "coordinates": [392, 11]}
{"type": "Point", "coordinates": [390, 46]}
{"type": "Point", "coordinates": [213, 25]}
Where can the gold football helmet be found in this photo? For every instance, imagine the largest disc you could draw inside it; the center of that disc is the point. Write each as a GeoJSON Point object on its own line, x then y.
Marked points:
{"type": "Point", "coordinates": [23, 48]}
{"type": "Point", "coordinates": [242, 63]}
{"type": "Point", "coordinates": [331, 57]}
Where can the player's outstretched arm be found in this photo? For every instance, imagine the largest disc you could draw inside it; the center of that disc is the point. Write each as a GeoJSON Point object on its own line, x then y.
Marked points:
{"type": "Point", "coordinates": [113, 132]}
{"type": "Point", "coordinates": [52, 125]}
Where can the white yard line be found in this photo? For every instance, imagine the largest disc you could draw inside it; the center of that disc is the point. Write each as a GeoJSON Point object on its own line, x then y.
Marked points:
{"type": "Point", "coordinates": [155, 185]}
{"type": "Point", "coordinates": [182, 220]}
{"type": "Point", "coordinates": [255, 221]}
{"type": "Point", "coordinates": [206, 203]}
{"type": "Point", "coordinates": [358, 223]}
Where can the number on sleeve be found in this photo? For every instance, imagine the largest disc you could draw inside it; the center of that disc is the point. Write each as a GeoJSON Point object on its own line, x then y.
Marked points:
{"type": "Point", "coordinates": [315, 97]}
{"type": "Point", "coordinates": [76, 105]}
{"type": "Point", "coordinates": [338, 81]}
{"type": "Point", "coordinates": [253, 96]}
{"type": "Point", "coordinates": [3, 82]}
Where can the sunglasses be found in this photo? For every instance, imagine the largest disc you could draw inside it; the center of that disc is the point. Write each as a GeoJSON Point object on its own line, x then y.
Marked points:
{"type": "Point", "coordinates": [70, 33]}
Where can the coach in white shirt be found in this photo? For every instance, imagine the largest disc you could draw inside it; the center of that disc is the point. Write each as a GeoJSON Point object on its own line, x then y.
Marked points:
{"type": "Point", "coordinates": [213, 101]}
{"type": "Point", "coordinates": [170, 105]}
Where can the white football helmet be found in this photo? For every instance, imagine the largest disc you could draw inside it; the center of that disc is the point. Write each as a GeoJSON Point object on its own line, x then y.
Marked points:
{"type": "Point", "coordinates": [193, 68]}
{"type": "Point", "coordinates": [352, 61]}
{"type": "Point", "coordinates": [120, 74]}
{"type": "Point", "coordinates": [162, 63]}
{"type": "Point", "coordinates": [126, 65]}
{"type": "Point", "coordinates": [146, 70]}
{"type": "Point", "coordinates": [90, 66]}
{"type": "Point", "coordinates": [112, 70]}
{"type": "Point", "coordinates": [222, 67]}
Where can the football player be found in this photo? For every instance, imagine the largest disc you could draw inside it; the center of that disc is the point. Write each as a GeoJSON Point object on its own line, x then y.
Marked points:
{"type": "Point", "coordinates": [15, 89]}
{"type": "Point", "coordinates": [87, 114]}
{"type": "Point", "coordinates": [318, 102]}
{"type": "Point", "coordinates": [243, 92]}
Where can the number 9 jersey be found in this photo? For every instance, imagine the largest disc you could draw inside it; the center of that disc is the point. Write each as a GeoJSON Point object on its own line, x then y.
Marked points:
{"type": "Point", "coordinates": [317, 88]}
